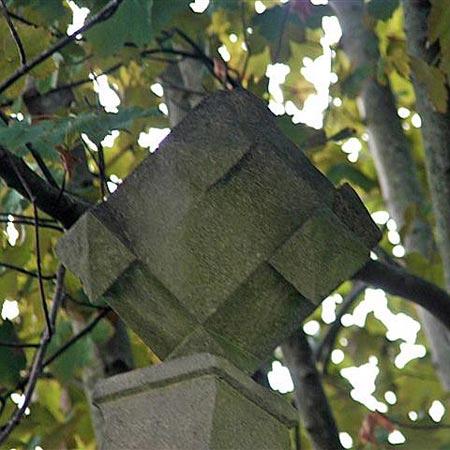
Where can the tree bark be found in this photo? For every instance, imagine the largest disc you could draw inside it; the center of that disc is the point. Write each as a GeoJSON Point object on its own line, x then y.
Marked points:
{"type": "Point", "coordinates": [436, 138]}
{"type": "Point", "coordinates": [310, 398]}
{"type": "Point", "coordinates": [393, 159]}
{"type": "Point", "coordinates": [61, 206]}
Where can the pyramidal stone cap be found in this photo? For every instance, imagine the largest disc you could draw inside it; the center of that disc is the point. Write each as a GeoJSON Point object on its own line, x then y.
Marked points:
{"type": "Point", "coordinates": [192, 403]}
{"type": "Point", "coordinates": [222, 241]}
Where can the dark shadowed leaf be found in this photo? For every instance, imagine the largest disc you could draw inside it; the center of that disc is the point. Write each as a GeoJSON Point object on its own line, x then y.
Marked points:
{"type": "Point", "coordinates": [382, 9]}
{"type": "Point", "coordinates": [12, 360]}
{"type": "Point", "coordinates": [130, 24]}
{"type": "Point", "coordinates": [340, 172]}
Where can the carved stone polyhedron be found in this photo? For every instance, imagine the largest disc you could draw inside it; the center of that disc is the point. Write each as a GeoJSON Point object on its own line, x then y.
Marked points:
{"type": "Point", "coordinates": [222, 241]}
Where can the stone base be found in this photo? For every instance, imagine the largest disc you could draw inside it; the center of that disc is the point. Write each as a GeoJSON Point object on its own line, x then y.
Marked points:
{"type": "Point", "coordinates": [192, 403]}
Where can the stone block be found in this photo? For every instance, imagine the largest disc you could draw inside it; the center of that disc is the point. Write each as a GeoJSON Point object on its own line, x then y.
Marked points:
{"type": "Point", "coordinates": [192, 403]}
{"type": "Point", "coordinates": [224, 240]}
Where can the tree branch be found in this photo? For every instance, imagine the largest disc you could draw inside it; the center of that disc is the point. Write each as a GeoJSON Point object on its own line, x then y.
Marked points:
{"type": "Point", "coordinates": [28, 222]}
{"type": "Point", "coordinates": [25, 272]}
{"type": "Point", "coordinates": [36, 367]}
{"type": "Point", "coordinates": [396, 280]}
{"type": "Point", "coordinates": [104, 14]}
{"type": "Point", "coordinates": [327, 344]}
{"type": "Point", "coordinates": [64, 208]}
{"type": "Point", "coordinates": [18, 345]}
{"type": "Point", "coordinates": [310, 397]}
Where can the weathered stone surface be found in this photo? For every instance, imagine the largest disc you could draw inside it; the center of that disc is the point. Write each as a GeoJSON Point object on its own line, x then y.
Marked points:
{"type": "Point", "coordinates": [319, 255]}
{"type": "Point", "coordinates": [192, 403]}
{"type": "Point", "coordinates": [222, 241]}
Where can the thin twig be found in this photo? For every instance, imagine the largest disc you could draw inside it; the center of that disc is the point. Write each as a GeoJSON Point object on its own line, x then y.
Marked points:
{"type": "Point", "coordinates": [36, 368]}
{"type": "Point", "coordinates": [22, 216]}
{"type": "Point", "coordinates": [25, 271]}
{"type": "Point", "coordinates": [84, 304]}
{"type": "Point", "coordinates": [77, 337]}
{"type": "Point", "coordinates": [104, 14]}
{"type": "Point", "coordinates": [23, 20]}
{"type": "Point", "coordinates": [27, 222]}
{"type": "Point", "coordinates": [39, 269]}
{"type": "Point", "coordinates": [246, 42]}
{"type": "Point", "coordinates": [32, 199]}
{"type": "Point", "coordinates": [62, 189]}
{"type": "Point", "coordinates": [102, 172]}
{"type": "Point", "coordinates": [326, 346]}
{"type": "Point", "coordinates": [82, 81]}
{"type": "Point", "coordinates": [18, 345]}
{"type": "Point", "coordinates": [41, 164]}
{"type": "Point", "coordinates": [209, 63]}
{"type": "Point", "coordinates": [14, 34]}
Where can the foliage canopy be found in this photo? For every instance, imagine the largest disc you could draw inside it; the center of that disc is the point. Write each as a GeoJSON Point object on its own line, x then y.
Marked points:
{"type": "Point", "coordinates": [46, 113]}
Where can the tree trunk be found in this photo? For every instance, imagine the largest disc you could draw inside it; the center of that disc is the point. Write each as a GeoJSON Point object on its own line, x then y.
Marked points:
{"type": "Point", "coordinates": [393, 160]}
{"type": "Point", "coordinates": [310, 398]}
{"type": "Point", "coordinates": [436, 138]}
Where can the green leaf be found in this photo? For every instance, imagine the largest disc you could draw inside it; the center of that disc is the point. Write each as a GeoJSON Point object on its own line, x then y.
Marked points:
{"type": "Point", "coordinates": [102, 332]}
{"type": "Point", "coordinates": [382, 9]}
{"type": "Point", "coordinates": [12, 360]}
{"type": "Point", "coordinates": [12, 201]}
{"type": "Point", "coordinates": [439, 29]}
{"type": "Point", "coordinates": [343, 171]}
{"type": "Point", "coordinates": [74, 358]}
{"type": "Point", "coordinates": [300, 134]}
{"type": "Point", "coordinates": [98, 125]}
{"type": "Point", "coordinates": [163, 11]}
{"type": "Point", "coordinates": [44, 12]}
{"type": "Point", "coordinates": [257, 64]}
{"type": "Point", "coordinates": [46, 134]}
{"type": "Point", "coordinates": [434, 80]}
{"type": "Point", "coordinates": [351, 85]}
{"type": "Point", "coordinates": [131, 23]}
{"type": "Point", "coordinates": [271, 22]}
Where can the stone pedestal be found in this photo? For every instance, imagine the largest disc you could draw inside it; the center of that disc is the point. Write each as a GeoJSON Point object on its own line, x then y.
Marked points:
{"type": "Point", "coordinates": [197, 402]}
